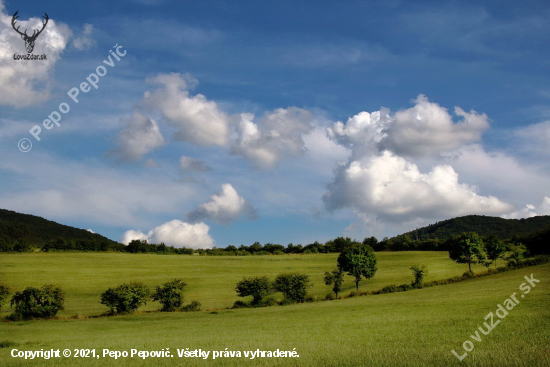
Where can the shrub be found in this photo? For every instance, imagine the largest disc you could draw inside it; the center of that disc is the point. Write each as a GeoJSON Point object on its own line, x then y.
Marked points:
{"type": "Point", "coordinates": [33, 302]}
{"type": "Point", "coordinates": [240, 304]}
{"type": "Point", "coordinates": [468, 275]}
{"type": "Point", "coordinates": [293, 286]}
{"type": "Point", "coordinates": [4, 294]}
{"type": "Point", "coordinates": [192, 307]}
{"type": "Point", "coordinates": [335, 278]}
{"type": "Point", "coordinates": [353, 294]}
{"type": "Point", "coordinates": [267, 302]}
{"type": "Point", "coordinates": [389, 289]}
{"type": "Point", "coordinates": [170, 295]}
{"type": "Point", "coordinates": [257, 287]}
{"type": "Point", "coordinates": [419, 273]}
{"type": "Point", "coordinates": [125, 298]}
{"type": "Point", "coordinates": [330, 297]}
{"type": "Point", "coordinates": [311, 299]}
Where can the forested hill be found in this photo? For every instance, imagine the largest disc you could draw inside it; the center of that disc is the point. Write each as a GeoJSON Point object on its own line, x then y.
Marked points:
{"type": "Point", "coordinates": [26, 230]}
{"type": "Point", "coordinates": [482, 225]}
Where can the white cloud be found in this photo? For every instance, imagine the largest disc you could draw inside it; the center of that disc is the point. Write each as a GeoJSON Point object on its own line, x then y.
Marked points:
{"type": "Point", "coordinates": [26, 83]}
{"type": "Point", "coordinates": [531, 210]}
{"type": "Point", "coordinates": [279, 134]}
{"type": "Point", "coordinates": [139, 137]}
{"type": "Point", "coordinates": [196, 119]}
{"type": "Point", "coordinates": [426, 129]}
{"type": "Point", "coordinates": [393, 188]}
{"type": "Point", "coordinates": [84, 41]}
{"type": "Point", "coordinates": [174, 233]}
{"type": "Point", "coordinates": [191, 164]}
{"type": "Point", "coordinates": [225, 207]}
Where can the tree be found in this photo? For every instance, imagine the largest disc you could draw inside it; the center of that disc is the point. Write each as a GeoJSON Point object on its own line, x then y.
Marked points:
{"type": "Point", "coordinates": [33, 302]}
{"type": "Point", "coordinates": [126, 297]}
{"type": "Point", "coordinates": [4, 294]}
{"type": "Point", "coordinates": [419, 272]}
{"type": "Point", "coordinates": [293, 286]}
{"type": "Point", "coordinates": [467, 249]}
{"type": "Point", "coordinates": [358, 261]}
{"type": "Point", "coordinates": [170, 295]}
{"type": "Point", "coordinates": [515, 252]}
{"type": "Point", "coordinates": [495, 248]}
{"type": "Point", "coordinates": [335, 278]}
{"type": "Point", "coordinates": [257, 287]}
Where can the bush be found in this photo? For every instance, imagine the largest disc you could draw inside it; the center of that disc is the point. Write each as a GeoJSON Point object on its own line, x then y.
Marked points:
{"type": "Point", "coordinates": [257, 287]}
{"type": "Point", "coordinates": [240, 304]}
{"type": "Point", "coordinates": [4, 294]}
{"type": "Point", "coordinates": [311, 299]}
{"type": "Point", "coordinates": [468, 275]}
{"type": "Point", "coordinates": [170, 295]}
{"type": "Point", "coordinates": [293, 286]}
{"type": "Point", "coordinates": [330, 297]}
{"type": "Point", "coordinates": [192, 307]}
{"type": "Point", "coordinates": [125, 298]}
{"type": "Point", "coordinates": [353, 294]}
{"type": "Point", "coordinates": [267, 302]}
{"type": "Point", "coordinates": [41, 303]}
{"type": "Point", "coordinates": [419, 273]}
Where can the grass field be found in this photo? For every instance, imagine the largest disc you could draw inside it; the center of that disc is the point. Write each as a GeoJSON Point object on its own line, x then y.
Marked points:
{"type": "Point", "coordinates": [415, 328]}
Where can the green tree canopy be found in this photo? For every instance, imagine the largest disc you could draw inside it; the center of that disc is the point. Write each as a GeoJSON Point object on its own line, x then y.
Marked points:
{"type": "Point", "coordinates": [467, 249]}
{"type": "Point", "coordinates": [358, 261]}
{"type": "Point", "coordinates": [257, 287]}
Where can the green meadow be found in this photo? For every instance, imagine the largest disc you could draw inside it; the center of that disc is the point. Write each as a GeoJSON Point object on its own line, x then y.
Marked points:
{"type": "Point", "coordinates": [414, 328]}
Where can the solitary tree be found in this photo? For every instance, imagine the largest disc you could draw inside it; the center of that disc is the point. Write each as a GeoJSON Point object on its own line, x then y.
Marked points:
{"type": "Point", "coordinates": [293, 286]}
{"type": "Point", "coordinates": [467, 249]}
{"type": "Point", "coordinates": [257, 287]}
{"type": "Point", "coordinates": [495, 248]}
{"type": "Point", "coordinates": [170, 295]}
{"type": "Point", "coordinates": [358, 261]}
{"type": "Point", "coordinates": [335, 278]}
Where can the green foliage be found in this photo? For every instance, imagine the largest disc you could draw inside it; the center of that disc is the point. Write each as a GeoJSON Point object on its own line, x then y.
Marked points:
{"type": "Point", "coordinates": [419, 273]}
{"type": "Point", "coordinates": [170, 295]}
{"type": "Point", "coordinates": [358, 261]}
{"type": "Point", "coordinates": [495, 248]}
{"type": "Point", "coordinates": [257, 287]}
{"type": "Point", "coordinates": [467, 249]}
{"type": "Point", "coordinates": [4, 294]}
{"type": "Point", "coordinates": [293, 286]}
{"type": "Point", "coordinates": [33, 302]}
{"type": "Point", "coordinates": [515, 252]}
{"type": "Point", "coordinates": [335, 278]}
{"type": "Point", "coordinates": [7, 343]}
{"type": "Point", "coordinates": [192, 307]}
{"type": "Point", "coordinates": [125, 298]}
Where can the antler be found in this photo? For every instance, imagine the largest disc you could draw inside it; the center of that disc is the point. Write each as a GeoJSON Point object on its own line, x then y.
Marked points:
{"type": "Point", "coordinates": [34, 34]}
{"type": "Point", "coordinates": [15, 17]}
{"type": "Point", "coordinates": [43, 26]}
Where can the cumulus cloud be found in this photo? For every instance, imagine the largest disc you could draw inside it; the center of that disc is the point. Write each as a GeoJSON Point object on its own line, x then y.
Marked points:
{"type": "Point", "coordinates": [195, 119]}
{"type": "Point", "coordinates": [280, 133]}
{"type": "Point", "coordinates": [24, 83]}
{"type": "Point", "coordinates": [84, 40]}
{"type": "Point", "coordinates": [395, 189]}
{"type": "Point", "coordinates": [531, 210]}
{"type": "Point", "coordinates": [224, 207]}
{"type": "Point", "coordinates": [188, 164]}
{"type": "Point", "coordinates": [174, 233]}
{"type": "Point", "coordinates": [425, 129]}
{"type": "Point", "coordinates": [140, 136]}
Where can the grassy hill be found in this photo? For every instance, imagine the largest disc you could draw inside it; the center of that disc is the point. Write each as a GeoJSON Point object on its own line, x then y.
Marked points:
{"type": "Point", "coordinates": [25, 230]}
{"type": "Point", "coordinates": [415, 328]}
{"type": "Point", "coordinates": [482, 225]}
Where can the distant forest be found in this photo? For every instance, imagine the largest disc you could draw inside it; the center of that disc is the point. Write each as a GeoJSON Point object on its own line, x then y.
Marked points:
{"type": "Point", "coordinates": [25, 233]}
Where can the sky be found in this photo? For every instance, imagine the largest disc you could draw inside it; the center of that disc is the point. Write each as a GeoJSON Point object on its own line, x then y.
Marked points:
{"type": "Point", "coordinates": [219, 123]}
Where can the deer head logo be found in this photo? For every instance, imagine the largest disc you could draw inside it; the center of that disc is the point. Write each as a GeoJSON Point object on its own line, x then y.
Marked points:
{"type": "Point", "coordinates": [29, 40]}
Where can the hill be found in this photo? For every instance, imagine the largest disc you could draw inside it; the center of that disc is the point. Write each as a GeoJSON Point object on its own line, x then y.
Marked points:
{"type": "Point", "coordinates": [20, 231]}
{"type": "Point", "coordinates": [482, 225]}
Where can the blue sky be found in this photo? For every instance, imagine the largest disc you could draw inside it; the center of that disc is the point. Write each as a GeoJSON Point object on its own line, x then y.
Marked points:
{"type": "Point", "coordinates": [227, 123]}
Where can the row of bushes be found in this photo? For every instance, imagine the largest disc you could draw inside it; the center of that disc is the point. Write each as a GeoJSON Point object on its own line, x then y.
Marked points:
{"type": "Point", "coordinates": [47, 301]}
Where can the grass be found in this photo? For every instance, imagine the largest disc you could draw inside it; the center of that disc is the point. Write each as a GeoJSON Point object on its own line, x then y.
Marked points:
{"type": "Point", "coordinates": [211, 280]}
{"type": "Point", "coordinates": [415, 328]}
